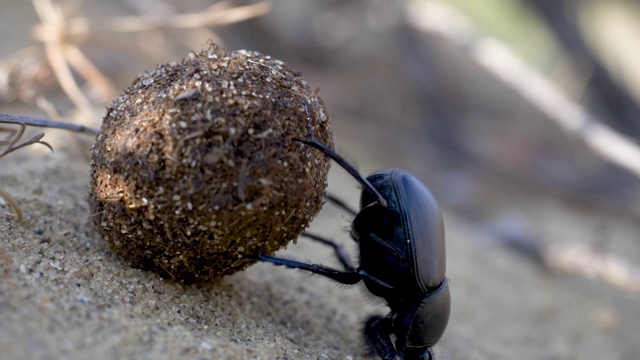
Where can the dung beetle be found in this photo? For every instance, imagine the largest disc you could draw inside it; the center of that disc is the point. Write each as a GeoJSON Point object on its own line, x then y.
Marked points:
{"type": "Point", "coordinates": [400, 233]}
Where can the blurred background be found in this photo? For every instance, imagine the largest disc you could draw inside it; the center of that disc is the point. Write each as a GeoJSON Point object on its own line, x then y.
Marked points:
{"type": "Point", "coordinates": [522, 117]}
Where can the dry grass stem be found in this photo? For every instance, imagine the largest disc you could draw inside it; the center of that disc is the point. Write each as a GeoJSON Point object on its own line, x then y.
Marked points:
{"type": "Point", "coordinates": [219, 14]}
{"type": "Point", "coordinates": [61, 36]}
{"type": "Point", "coordinates": [15, 137]}
{"type": "Point", "coordinates": [23, 120]}
{"type": "Point", "coordinates": [90, 72]}
{"type": "Point", "coordinates": [12, 203]}
{"type": "Point", "coordinates": [579, 259]}
{"type": "Point", "coordinates": [12, 145]}
{"type": "Point", "coordinates": [54, 40]}
{"type": "Point", "coordinates": [23, 74]}
{"type": "Point", "coordinates": [48, 107]}
{"type": "Point", "coordinates": [56, 57]}
{"type": "Point", "coordinates": [444, 21]}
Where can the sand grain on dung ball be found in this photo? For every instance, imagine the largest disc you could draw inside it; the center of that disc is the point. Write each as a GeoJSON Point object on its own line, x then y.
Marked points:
{"type": "Point", "coordinates": [195, 169]}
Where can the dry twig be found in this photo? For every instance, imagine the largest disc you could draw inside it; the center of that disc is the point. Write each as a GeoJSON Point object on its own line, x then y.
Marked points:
{"type": "Point", "coordinates": [219, 14]}
{"type": "Point", "coordinates": [12, 145]}
{"type": "Point", "coordinates": [561, 17]}
{"type": "Point", "coordinates": [13, 204]}
{"type": "Point", "coordinates": [439, 19]}
{"type": "Point", "coordinates": [582, 260]}
{"type": "Point", "coordinates": [61, 36]}
{"type": "Point", "coordinates": [569, 258]}
{"type": "Point", "coordinates": [23, 120]}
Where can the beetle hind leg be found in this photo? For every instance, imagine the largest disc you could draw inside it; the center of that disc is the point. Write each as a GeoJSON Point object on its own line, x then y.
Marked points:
{"type": "Point", "coordinates": [377, 334]}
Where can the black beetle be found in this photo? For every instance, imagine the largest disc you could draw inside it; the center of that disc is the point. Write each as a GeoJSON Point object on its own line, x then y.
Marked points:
{"type": "Point", "coordinates": [402, 259]}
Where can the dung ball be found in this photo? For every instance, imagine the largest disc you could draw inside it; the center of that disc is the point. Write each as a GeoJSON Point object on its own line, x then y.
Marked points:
{"type": "Point", "coordinates": [195, 170]}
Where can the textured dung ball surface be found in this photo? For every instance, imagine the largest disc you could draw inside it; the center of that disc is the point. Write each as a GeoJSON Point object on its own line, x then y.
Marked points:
{"type": "Point", "coordinates": [195, 170]}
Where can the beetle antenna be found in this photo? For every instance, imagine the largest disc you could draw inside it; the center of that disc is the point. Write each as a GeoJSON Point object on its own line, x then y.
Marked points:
{"type": "Point", "coordinates": [342, 162]}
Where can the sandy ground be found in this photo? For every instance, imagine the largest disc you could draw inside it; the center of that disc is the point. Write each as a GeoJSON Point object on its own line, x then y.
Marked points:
{"type": "Point", "coordinates": [63, 295]}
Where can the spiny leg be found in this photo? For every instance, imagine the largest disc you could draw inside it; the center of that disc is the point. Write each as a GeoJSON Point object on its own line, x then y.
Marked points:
{"type": "Point", "coordinates": [341, 252]}
{"type": "Point", "coordinates": [377, 333]}
{"type": "Point", "coordinates": [418, 354]}
{"type": "Point", "coordinates": [343, 277]}
{"type": "Point", "coordinates": [341, 204]}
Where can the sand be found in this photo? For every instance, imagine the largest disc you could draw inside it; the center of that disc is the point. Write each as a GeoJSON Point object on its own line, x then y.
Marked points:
{"type": "Point", "coordinates": [64, 295]}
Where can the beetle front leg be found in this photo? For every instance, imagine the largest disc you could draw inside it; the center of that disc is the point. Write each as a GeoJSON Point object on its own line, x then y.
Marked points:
{"type": "Point", "coordinates": [343, 277]}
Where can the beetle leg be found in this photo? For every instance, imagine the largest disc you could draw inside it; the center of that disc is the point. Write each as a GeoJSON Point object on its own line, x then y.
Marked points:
{"type": "Point", "coordinates": [343, 277]}
{"type": "Point", "coordinates": [377, 333]}
{"type": "Point", "coordinates": [419, 354]}
{"type": "Point", "coordinates": [341, 204]}
{"type": "Point", "coordinates": [341, 252]}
